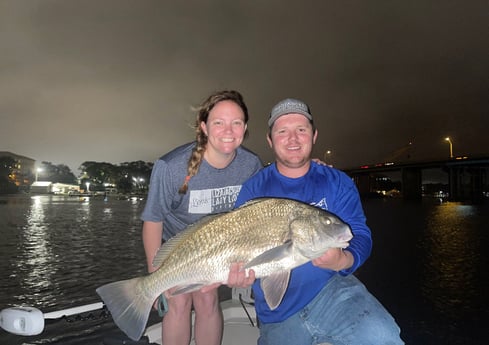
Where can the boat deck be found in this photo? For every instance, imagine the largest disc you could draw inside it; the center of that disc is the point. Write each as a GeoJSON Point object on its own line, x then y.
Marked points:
{"type": "Point", "coordinates": [240, 326]}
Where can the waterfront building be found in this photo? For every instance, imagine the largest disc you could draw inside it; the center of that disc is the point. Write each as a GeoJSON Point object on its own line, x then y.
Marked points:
{"type": "Point", "coordinates": [23, 170]}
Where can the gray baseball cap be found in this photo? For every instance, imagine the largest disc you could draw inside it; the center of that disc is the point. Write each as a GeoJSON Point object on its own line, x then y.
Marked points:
{"type": "Point", "coordinates": [289, 106]}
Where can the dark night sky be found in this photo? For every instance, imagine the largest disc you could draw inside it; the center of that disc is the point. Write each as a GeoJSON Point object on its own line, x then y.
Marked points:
{"type": "Point", "coordinates": [115, 81]}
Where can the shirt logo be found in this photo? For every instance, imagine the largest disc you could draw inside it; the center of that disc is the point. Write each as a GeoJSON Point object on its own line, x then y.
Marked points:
{"type": "Point", "coordinates": [215, 200]}
{"type": "Point", "coordinates": [321, 204]}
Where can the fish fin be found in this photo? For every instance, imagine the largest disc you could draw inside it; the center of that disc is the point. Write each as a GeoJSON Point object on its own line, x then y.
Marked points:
{"type": "Point", "coordinates": [274, 287]}
{"type": "Point", "coordinates": [271, 255]}
{"type": "Point", "coordinates": [188, 288]}
{"type": "Point", "coordinates": [161, 255]}
{"type": "Point", "coordinates": [128, 305]}
{"type": "Point", "coordinates": [168, 247]}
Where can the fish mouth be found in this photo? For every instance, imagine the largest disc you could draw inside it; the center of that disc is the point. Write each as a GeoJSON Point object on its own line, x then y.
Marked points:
{"type": "Point", "coordinates": [345, 234]}
{"type": "Point", "coordinates": [343, 241]}
{"type": "Point", "coordinates": [318, 252]}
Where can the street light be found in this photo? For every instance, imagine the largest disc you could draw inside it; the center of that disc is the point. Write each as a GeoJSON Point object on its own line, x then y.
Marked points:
{"type": "Point", "coordinates": [38, 170]}
{"type": "Point", "coordinates": [138, 182]}
{"type": "Point", "coordinates": [451, 146]}
{"type": "Point", "coordinates": [327, 157]}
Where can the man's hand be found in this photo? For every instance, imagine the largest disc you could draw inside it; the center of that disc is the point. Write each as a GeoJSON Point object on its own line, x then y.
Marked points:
{"type": "Point", "coordinates": [320, 162]}
{"type": "Point", "coordinates": [334, 259]}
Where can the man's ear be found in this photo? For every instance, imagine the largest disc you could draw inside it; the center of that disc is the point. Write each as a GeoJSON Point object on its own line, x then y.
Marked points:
{"type": "Point", "coordinates": [269, 140]}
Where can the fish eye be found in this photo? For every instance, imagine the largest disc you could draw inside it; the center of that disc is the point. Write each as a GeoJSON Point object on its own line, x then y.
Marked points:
{"type": "Point", "coordinates": [327, 221]}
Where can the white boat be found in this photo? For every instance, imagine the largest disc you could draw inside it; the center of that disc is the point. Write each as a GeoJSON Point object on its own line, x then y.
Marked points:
{"type": "Point", "coordinates": [240, 324]}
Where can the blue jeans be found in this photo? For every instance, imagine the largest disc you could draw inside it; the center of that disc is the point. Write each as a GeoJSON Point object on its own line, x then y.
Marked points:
{"type": "Point", "coordinates": [343, 313]}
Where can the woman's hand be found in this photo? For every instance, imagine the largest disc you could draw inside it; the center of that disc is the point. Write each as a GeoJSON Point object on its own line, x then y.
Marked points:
{"type": "Point", "coordinates": [237, 278]}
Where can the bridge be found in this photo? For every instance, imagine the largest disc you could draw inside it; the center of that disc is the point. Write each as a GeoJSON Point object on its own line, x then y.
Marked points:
{"type": "Point", "coordinates": [467, 177]}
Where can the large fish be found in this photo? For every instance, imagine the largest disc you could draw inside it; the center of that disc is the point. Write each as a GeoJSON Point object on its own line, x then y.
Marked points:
{"type": "Point", "coordinates": [270, 235]}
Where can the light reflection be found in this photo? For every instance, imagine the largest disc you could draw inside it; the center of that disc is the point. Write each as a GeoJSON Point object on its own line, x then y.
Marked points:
{"type": "Point", "coordinates": [56, 250]}
{"type": "Point", "coordinates": [452, 249]}
{"type": "Point", "coordinates": [107, 214]}
{"type": "Point", "coordinates": [36, 253]}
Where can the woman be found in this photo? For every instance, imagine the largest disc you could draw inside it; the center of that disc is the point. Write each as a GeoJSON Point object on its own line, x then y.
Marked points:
{"type": "Point", "coordinates": [188, 183]}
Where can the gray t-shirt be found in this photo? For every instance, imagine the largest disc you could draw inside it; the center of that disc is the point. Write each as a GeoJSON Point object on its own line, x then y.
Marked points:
{"type": "Point", "coordinates": [210, 191]}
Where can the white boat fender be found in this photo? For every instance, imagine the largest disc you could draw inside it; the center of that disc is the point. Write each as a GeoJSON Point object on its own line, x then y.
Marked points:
{"type": "Point", "coordinates": [30, 321]}
{"type": "Point", "coordinates": [22, 320]}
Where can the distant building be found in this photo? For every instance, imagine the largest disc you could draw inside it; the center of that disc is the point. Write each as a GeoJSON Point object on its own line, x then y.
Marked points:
{"type": "Point", "coordinates": [42, 187]}
{"type": "Point", "coordinates": [47, 187]}
{"type": "Point", "coordinates": [23, 169]}
{"type": "Point", "coordinates": [63, 188]}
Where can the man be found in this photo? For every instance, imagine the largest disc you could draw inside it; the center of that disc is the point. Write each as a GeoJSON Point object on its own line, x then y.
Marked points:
{"type": "Point", "coordinates": [324, 302]}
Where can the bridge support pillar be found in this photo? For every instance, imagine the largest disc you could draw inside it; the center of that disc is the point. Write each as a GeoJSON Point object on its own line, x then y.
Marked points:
{"type": "Point", "coordinates": [411, 183]}
{"type": "Point", "coordinates": [467, 184]}
{"type": "Point", "coordinates": [477, 185]}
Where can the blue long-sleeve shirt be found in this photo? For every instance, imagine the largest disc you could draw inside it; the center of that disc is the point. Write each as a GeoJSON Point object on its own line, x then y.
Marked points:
{"type": "Point", "coordinates": [324, 187]}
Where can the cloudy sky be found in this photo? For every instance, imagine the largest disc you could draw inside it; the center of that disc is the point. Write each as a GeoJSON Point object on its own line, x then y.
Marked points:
{"type": "Point", "coordinates": [114, 81]}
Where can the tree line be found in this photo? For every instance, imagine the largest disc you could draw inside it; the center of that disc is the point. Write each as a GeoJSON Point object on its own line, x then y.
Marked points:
{"type": "Point", "coordinates": [127, 177]}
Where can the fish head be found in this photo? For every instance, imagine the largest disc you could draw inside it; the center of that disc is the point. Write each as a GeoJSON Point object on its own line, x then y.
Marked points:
{"type": "Point", "coordinates": [314, 231]}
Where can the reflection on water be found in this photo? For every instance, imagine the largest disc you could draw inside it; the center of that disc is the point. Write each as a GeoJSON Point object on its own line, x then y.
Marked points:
{"type": "Point", "coordinates": [55, 251]}
{"type": "Point", "coordinates": [35, 255]}
{"type": "Point", "coordinates": [429, 268]}
{"type": "Point", "coordinates": [452, 262]}
{"type": "Point", "coordinates": [428, 265]}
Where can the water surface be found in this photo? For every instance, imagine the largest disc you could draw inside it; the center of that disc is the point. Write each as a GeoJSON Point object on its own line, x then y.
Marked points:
{"type": "Point", "coordinates": [428, 265]}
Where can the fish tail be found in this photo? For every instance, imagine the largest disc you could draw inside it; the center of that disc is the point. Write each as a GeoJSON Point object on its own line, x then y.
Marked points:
{"type": "Point", "coordinates": [128, 305]}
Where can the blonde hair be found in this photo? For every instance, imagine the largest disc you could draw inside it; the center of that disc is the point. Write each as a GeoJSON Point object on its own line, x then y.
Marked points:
{"type": "Point", "coordinates": [200, 137]}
